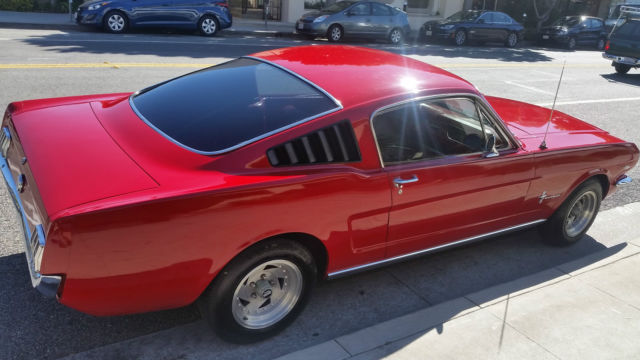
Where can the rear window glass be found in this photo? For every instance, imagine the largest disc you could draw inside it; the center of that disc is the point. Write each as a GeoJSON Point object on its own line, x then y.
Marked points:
{"type": "Point", "coordinates": [228, 105]}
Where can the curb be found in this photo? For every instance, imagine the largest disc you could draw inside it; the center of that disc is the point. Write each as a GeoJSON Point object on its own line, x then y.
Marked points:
{"type": "Point", "coordinates": [434, 317]}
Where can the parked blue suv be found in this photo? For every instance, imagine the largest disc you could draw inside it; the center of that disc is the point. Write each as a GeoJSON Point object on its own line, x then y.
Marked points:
{"type": "Point", "coordinates": [208, 16]}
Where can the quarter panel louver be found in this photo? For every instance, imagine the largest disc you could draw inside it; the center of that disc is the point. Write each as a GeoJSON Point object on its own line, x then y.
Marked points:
{"type": "Point", "coordinates": [332, 144]}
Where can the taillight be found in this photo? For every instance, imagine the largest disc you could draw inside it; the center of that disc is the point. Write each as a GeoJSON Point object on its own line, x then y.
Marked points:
{"type": "Point", "coordinates": [223, 4]}
{"type": "Point", "coordinates": [606, 46]}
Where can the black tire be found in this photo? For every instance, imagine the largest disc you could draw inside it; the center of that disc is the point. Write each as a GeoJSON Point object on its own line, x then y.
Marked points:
{"type": "Point", "coordinates": [218, 304]}
{"type": "Point", "coordinates": [571, 43]}
{"type": "Point", "coordinates": [208, 25]}
{"type": "Point", "coordinates": [460, 37]}
{"type": "Point", "coordinates": [621, 68]}
{"type": "Point", "coordinates": [396, 36]}
{"type": "Point", "coordinates": [115, 22]}
{"type": "Point", "coordinates": [601, 43]}
{"type": "Point", "coordinates": [574, 217]}
{"type": "Point", "coordinates": [335, 33]}
{"type": "Point", "coordinates": [512, 40]}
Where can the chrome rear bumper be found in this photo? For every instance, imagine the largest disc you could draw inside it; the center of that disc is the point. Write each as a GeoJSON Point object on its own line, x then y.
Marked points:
{"type": "Point", "coordinates": [622, 59]}
{"type": "Point", "coordinates": [33, 238]}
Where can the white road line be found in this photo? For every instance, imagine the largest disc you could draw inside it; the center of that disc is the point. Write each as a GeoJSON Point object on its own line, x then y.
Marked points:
{"type": "Point", "coordinates": [530, 88]}
{"type": "Point", "coordinates": [589, 101]}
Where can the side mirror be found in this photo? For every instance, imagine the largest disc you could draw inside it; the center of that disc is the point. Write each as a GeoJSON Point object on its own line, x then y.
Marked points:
{"type": "Point", "coordinates": [480, 21]}
{"type": "Point", "coordinates": [349, 13]}
{"type": "Point", "coordinates": [491, 147]}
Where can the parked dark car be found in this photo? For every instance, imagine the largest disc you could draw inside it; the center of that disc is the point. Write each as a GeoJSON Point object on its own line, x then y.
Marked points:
{"type": "Point", "coordinates": [477, 25]}
{"type": "Point", "coordinates": [623, 48]}
{"type": "Point", "coordinates": [119, 15]}
{"type": "Point", "coordinates": [570, 31]}
{"type": "Point", "coordinates": [356, 19]}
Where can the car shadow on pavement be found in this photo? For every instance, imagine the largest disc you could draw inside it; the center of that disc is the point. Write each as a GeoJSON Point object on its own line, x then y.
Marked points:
{"type": "Point", "coordinates": [630, 79]}
{"type": "Point", "coordinates": [37, 328]}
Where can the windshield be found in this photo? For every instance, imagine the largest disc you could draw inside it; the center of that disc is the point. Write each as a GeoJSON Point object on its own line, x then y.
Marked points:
{"type": "Point", "coordinates": [567, 21]}
{"type": "Point", "coordinates": [226, 106]}
{"type": "Point", "coordinates": [339, 6]}
{"type": "Point", "coordinates": [468, 15]}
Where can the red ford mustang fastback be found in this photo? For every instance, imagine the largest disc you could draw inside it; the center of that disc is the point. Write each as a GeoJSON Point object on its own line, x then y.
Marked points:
{"type": "Point", "coordinates": [242, 184]}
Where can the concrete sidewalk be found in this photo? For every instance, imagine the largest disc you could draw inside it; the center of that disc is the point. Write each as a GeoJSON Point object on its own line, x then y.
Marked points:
{"type": "Point", "coordinates": [586, 309]}
{"type": "Point", "coordinates": [64, 22]}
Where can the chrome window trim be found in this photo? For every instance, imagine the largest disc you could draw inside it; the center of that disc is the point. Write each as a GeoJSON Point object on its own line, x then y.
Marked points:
{"type": "Point", "coordinates": [493, 117]}
{"type": "Point", "coordinates": [375, 264]}
{"type": "Point", "coordinates": [252, 140]}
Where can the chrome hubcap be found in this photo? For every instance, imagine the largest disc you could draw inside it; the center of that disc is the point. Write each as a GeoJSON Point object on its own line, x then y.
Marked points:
{"type": "Point", "coordinates": [580, 214]}
{"type": "Point", "coordinates": [572, 43]}
{"type": "Point", "coordinates": [336, 34]}
{"type": "Point", "coordinates": [395, 36]}
{"type": "Point", "coordinates": [513, 39]}
{"type": "Point", "coordinates": [116, 22]}
{"type": "Point", "coordinates": [460, 38]}
{"type": "Point", "coordinates": [267, 294]}
{"type": "Point", "coordinates": [208, 26]}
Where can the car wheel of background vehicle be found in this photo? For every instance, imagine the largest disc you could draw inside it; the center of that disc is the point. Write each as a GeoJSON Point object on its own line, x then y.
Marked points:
{"type": "Point", "coordinates": [396, 36]}
{"type": "Point", "coordinates": [512, 40]}
{"type": "Point", "coordinates": [115, 22]}
{"type": "Point", "coordinates": [460, 37]}
{"type": "Point", "coordinates": [574, 217]}
{"type": "Point", "coordinates": [571, 44]}
{"type": "Point", "coordinates": [335, 33]}
{"type": "Point", "coordinates": [600, 44]}
{"type": "Point", "coordinates": [622, 68]}
{"type": "Point", "coordinates": [259, 292]}
{"type": "Point", "coordinates": [208, 25]}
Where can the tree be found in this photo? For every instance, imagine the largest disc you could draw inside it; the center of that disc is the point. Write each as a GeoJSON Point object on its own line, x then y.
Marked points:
{"type": "Point", "coordinates": [547, 6]}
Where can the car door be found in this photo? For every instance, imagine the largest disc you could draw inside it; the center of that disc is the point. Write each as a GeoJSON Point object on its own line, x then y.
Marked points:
{"type": "Point", "coordinates": [183, 12]}
{"type": "Point", "coordinates": [584, 32]}
{"type": "Point", "coordinates": [381, 19]}
{"type": "Point", "coordinates": [501, 27]}
{"type": "Point", "coordinates": [151, 12]}
{"type": "Point", "coordinates": [481, 28]}
{"type": "Point", "coordinates": [358, 20]}
{"type": "Point", "coordinates": [446, 188]}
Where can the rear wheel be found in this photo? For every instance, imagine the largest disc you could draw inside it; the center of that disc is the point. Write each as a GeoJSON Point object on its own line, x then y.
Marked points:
{"type": "Point", "coordinates": [571, 44]}
{"type": "Point", "coordinates": [622, 68]}
{"type": "Point", "coordinates": [396, 37]}
{"type": "Point", "coordinates": [115, 22]}
{"type": "Point", "coordinates": [574, 217]}
{"type": "Point", "coordinates": [335, 33]}
{"type": "Point", "coordinates": [208, 25]}
{"type": "Point", "coordinates": [600, 44]}
{"type": "Point", "coordinates": [460, 37]}
{"type": "Point", "coordinates": [260, 292]}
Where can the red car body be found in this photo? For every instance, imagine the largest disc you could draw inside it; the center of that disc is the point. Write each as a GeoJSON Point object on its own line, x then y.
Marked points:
{"type": "Point", "coordinates": [135, 223]}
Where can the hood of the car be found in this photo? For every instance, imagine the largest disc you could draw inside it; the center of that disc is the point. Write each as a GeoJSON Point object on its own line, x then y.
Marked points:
{"type": "Point", "coordinates": [315, 14]}
{"type": "Point", "coordinates": [73, 159]}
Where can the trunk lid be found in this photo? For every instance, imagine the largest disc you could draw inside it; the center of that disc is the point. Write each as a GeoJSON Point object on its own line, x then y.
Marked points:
{"type": "Point", "coordinates": [67, 158]}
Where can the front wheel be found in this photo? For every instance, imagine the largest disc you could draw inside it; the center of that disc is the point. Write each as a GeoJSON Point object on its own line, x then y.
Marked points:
{"type": "Point", "coordinates": [512, 40]}
{"type": "Point", "coordinates": [260, 292]}
{"type": "Point", "coordinates": [208, 25]}
{"type": "Point", "coordinates": [396, 37]}
{"type": "Point", "coordinates": [574, 217]}
{"type": "Point", "coordinates": [600, 44]}
{"type": "Point", "coordinates": [460, 37]}
{"type": "Point", "coordinates": [622, 68]}
{"type": "Point", "coordinates": [115, 22]}
{"type": "Point", "coordinates": [335, 33]}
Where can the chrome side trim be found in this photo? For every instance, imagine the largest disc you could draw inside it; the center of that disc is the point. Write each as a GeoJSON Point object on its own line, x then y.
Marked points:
{"type": "Point", "coordinates": [394, 259]}
{"type": "Point", "coordinates": [252, 140]}
{"type": "Point", "coordinates": [513, 143]}
{"type": "Point", "coordinates": [624, 180]}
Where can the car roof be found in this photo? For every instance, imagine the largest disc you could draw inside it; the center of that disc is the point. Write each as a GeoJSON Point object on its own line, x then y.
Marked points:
{"type": "Point", "coordinates": [354, 75]}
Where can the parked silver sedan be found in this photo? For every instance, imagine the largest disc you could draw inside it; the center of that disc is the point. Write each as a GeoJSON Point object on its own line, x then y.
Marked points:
{"type": "Point", "coordinates": [365, 19]}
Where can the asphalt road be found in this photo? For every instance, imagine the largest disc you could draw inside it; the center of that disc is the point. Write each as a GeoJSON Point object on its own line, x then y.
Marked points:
{"type": "Point", "coordinates": [50, 63]}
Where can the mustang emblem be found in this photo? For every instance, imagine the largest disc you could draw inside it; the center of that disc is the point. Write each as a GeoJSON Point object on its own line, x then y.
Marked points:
{"type": "Point", "coordinates": [544, 197]}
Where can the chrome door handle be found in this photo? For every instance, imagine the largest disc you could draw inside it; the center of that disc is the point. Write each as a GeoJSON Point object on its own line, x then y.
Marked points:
{"type": "Point", "coordinates": [400, 181]}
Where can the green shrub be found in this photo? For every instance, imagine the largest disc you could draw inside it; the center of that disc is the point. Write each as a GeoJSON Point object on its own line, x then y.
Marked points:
{"type": "Point", "coordinates": [16, 5]}
{"type": "Point", "coordinates": [58, 6]}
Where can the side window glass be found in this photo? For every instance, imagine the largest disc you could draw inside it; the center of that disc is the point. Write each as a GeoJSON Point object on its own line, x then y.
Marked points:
{"type": "Point", "coordinates": [380, 10]}
{"type": "Point", "coordinates": [488, 18]}
{"type": "Point", "coordinates": [502, 18]}
{"type": "Point", "coordinates": [429, 129]}
{"type": "Point", "coordinates": [360, 9]}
